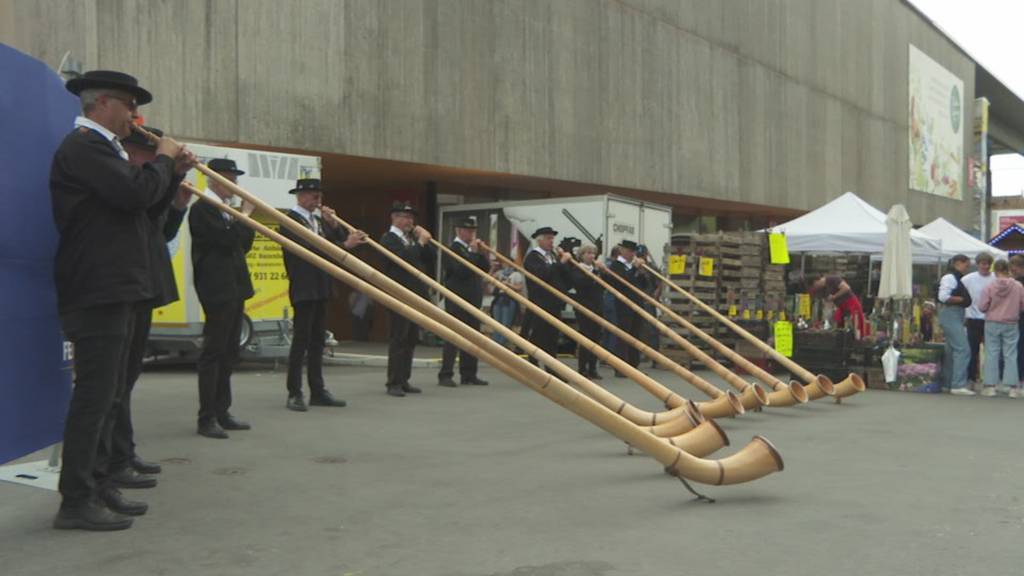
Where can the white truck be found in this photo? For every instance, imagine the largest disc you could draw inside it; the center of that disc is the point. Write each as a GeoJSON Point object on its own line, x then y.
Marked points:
{"type": "Point", "coordinates": [266, 331]}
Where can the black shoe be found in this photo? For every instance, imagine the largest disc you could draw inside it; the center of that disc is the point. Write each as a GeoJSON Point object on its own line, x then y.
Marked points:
{"type": "Point", "coordinates": [296, 403]}
{"type": "Point", "coordinates": [129, 478]}
{"type": "Point", "coordinates": [229, 422]}
{"type": "Point", "coordinates": [446, 382]}
{"type": "Point", "coordinates": [114, 500]}
{"type": "Point", "coordinates": [474, 381]}
{"type": "Point", "coordinates": [91, 516]}
{"type": "Point", "coordinates": [143, 467]}
{"type": "Point", "coordinates": [325, 398]}
{"type": "Point", "coordinates": [410, 389]}
{"type": "Point", "coordinates": [396, 392]}
{"type": "Point", "coordinates": [211, 430]}
{"type": "Point", "coordinates": [619, 374]}
{"type": "Point", "coordinates": [595, 376]}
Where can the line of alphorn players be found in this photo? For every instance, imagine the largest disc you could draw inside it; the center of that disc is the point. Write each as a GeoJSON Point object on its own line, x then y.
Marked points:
{"type": "Point", "coordinates": [118, 196]}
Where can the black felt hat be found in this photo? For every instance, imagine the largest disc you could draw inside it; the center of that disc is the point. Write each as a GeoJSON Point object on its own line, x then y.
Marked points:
{"type": "Point", "coordinates": [137, 139]}
{"type": "Point", "coordinates": [402, 206]}
{"type": "Point", "coordinates": [466, 223]}
{"type": "Point", "coordinates": [628, 244]}
{"type": "Point", "coordinates": [544, 230]}
{"type": "Point", "coordinates": [109, 79]}
{"type": "Point", "coordinates": [226, 165]}
{"type": "Point", "coordinates": [306, 185]}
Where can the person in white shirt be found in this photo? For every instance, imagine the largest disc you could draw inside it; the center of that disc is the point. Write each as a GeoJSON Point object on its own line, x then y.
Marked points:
{"type": "Point", "coordinates": [976, 282]}
{"type": "Point", "coordinates": [954, 298]}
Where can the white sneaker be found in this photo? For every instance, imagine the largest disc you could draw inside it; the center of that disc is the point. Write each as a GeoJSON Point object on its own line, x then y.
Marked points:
{"type": "Point", "coordinates": [989, 391]}
{"type": "Point", "coordinates": [1015, 392]}
{"type": "Point", "coordinates": [961, 392]}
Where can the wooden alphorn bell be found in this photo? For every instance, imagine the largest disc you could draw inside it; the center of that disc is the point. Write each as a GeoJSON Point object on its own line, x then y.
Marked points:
{"type": "Point", "coordinates": [684, 428]}
{"type": "Point", "coordinates": [755, 460]}
{"type": "Point", "coordinates": [783, 395]}
{"type": "Point", "coordinates": [725, 403]}
{"type": "Point", "coordinates": [816, 386]}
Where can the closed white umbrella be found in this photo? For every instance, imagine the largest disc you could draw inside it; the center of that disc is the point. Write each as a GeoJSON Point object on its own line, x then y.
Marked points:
{"type": "Point", "coordinates": [897, 259]}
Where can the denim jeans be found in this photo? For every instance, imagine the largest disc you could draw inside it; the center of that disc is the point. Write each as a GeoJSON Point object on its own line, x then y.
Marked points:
{"type": "Point", "coordinates": [1001, 341]}
{"type": "Point", "coordinates": [505, 313]}
{"type": "Point", "coordinates": [957, 355]}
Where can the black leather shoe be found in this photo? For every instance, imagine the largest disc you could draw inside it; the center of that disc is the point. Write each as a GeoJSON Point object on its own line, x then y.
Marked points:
{"type": "Point", "coordinates": [229, 422]}
{"type": "Point", "coordinates": [410, 389]}
{"type": "Point", "coordinates": [296, 403]}
{"type": "Point", "coordinates": [446, 382]}
{"type": "Point", "coordinates": [91, 516]}
{"type": "Point", "coordinates": [129, 478]}
{"type": "Point", "coordinates": [396, 392]}
{"type": "Point", "coordinates": [116, 501]}
{"type": "Point", "coordinates": [325, 398]}
{"type": "Point", "coordinates": [143, 467]}
{"type": "Point", "coordinates": [474, 381]}
{"type": "Point", "coordinates": [595, 376]}
{"type": "Point", "coordinates": [211, 430]}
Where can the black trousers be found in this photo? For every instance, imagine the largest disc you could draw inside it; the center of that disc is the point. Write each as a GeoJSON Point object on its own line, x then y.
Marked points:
{"type": "Point", "coordinates": [122, 441]}
{"type": "Point", "coordinates": [975, 336]}
{"type": "Point", "coordinates": [404, 336]}
{"type": "Point", "coordinates": [307, 344]}
{"type": "Point", "coordinates": [544, 334]}
{"type": "Point", "coordinates": [631, 323]}
{"type": "Point", "coordinates": [468, 363]}
{"type": "Point", "coordinates": [221, 332]}
{"type": "Point", "coordinates": [101, 339]}
{"type": "Point", "coordinates": [592, 330]}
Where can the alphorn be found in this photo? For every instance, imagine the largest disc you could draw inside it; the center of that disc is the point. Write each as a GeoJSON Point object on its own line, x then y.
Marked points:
{"type": "Point", "coordinates": [755, 460]}
{"type": "Point", "coordinates": [652, 386]}
{"type": "Point", "coordinates": [816, 386]}
{"type": "Point", "coordinates": [682, 431]}
{"type": "Point", "coordinates": [752, 395]}
{"type": "Point", "coordinates": [783, 395]}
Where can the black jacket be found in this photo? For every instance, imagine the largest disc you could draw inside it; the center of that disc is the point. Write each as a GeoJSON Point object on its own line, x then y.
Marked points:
{"type": "Point", "coordinates": [589, 293]}
{"type": "Point", "coordinates": [554, 274]}
{"type": "Point", "coordinates": [164, 223]}
{"type": "Point", "coordinates": [632, 276]}
{"type": "Point", "coordinates": [307, 283]}
{"type": "Point", "coordinates": [460, 279]}
{"type": "Point", "coordinates": [99, 206]}
{"type": "Point", "coordinates": [419, 256]}
{"type": "Point", "coordinates": [219, 247]}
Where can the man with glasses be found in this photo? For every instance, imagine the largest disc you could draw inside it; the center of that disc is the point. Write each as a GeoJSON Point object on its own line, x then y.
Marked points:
{"type": "Point", "coordinates": [102, 273]}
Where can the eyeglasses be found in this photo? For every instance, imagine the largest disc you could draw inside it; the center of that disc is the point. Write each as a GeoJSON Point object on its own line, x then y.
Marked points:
{"type": "Point", "coordinates": [130, 103]}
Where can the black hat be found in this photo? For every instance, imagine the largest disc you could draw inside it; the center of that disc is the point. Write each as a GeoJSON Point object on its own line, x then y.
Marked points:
{"type": "Point", "coordinates": [306, 185]}
{"type": "Point", "coordinates": [466, 223]}
{"type": "Point", "coordinates": [109, 79]}
{"type": "Point", "coordinates": [224, 165]}
{"type": "Point", "coordinates": [628, 244]}
{"type": "Point", "coordinates": [401, 206]}
{"type": "Point", "coordinates": [136, 138]}
{"type": "Point", "coordinates": [544, 230]}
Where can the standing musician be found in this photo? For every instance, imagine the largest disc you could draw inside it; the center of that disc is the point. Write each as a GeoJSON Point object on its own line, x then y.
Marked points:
{"type": "Point", "coordinates": [630, 268]}
{"type": "Point", "coordinates": [219, 246]}
{"type": "Point", "coordinates": [103, 275]}
{"type": "Point", "coordinates": [590, 295]}
{"type": "Point", "coordinates": [542, 262]}
{"type": "Point", "coordinates": [309, 288]}
{"type": "Point", "coordinates": [412, 244]}
{"type": "Point", "coordinates": [468, 285]}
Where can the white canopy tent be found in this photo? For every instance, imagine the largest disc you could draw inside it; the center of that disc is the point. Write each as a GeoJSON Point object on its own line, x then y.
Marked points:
{"type": "Point", "coordinates": [849, 224]}
{"type": "Point", "coordinates": [956, 241]}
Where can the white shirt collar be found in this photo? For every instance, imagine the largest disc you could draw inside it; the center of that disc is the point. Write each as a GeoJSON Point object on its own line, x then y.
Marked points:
{"type": "Point", "coordinates": [540, 250]}
{"type": "Point", "coordinates": [459, 240]}
{"type": "Point", "coordinates": [398, 232]}
{"type": "Point", "coordinates": [303, 212]}
{"type": "Point", "coordinates": [83, 122]}
{"type": "Point", "coordinates": [211, 194]}
{"type": "Point", "coordinates": [629, 265]}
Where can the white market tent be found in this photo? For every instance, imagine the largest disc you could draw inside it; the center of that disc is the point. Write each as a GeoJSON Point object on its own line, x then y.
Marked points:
{"type": "Point", "coordinates": [849, 224]}
{"type": "Point", "coordinates": [956, 241]}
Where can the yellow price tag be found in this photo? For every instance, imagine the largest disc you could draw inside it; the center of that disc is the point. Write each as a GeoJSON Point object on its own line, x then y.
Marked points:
{"type": "Point", "coordinates": [778, 248]}
{"type": "Point", "coordinates": [770, 314]}
{"type": "Point", "coordinates": [677, 264]}
{"type": "Point", "coordinates": [759, 315]}
{"type": "Point", "coordinates": [746, 314]}
{"type": "Point", "coordinates": [784, 338]}
{"type": "Point", "coordinates": [917, 314]}
{"type": "Point", "coordinates": [805, 305]}
{"type": "Point", "coordinates": [782, 315]}
{"type": "Point", "coordinates": [707, 266]}
{"type": "Point", "coordinates": [732, 310]}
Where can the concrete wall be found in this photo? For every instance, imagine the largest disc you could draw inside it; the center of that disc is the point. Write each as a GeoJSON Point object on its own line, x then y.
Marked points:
{"type": "Point", "coordinates": [780, 102]}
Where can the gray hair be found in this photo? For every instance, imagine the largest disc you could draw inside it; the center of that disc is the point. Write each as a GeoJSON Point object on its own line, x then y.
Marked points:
{"type": "Point", "coordinates": [91, 96]}
{"type": "Point", "coordinates": [587, 248]}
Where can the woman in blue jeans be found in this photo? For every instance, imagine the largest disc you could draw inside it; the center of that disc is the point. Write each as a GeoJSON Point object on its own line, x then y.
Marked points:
{"type": "Point", "coordinates": [954, 299]}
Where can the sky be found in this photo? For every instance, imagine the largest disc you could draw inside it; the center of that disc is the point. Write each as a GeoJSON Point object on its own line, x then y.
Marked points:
{"type": "Point", "coordinates": [990, 31]}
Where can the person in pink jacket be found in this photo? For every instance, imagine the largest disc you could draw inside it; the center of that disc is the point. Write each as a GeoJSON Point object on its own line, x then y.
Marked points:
{"type": "Point", "coordinates": [1002, 302]}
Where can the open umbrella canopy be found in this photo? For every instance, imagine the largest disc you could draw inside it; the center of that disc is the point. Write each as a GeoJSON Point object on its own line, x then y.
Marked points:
{"type": "Point", "coordinates": [897, 258]}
